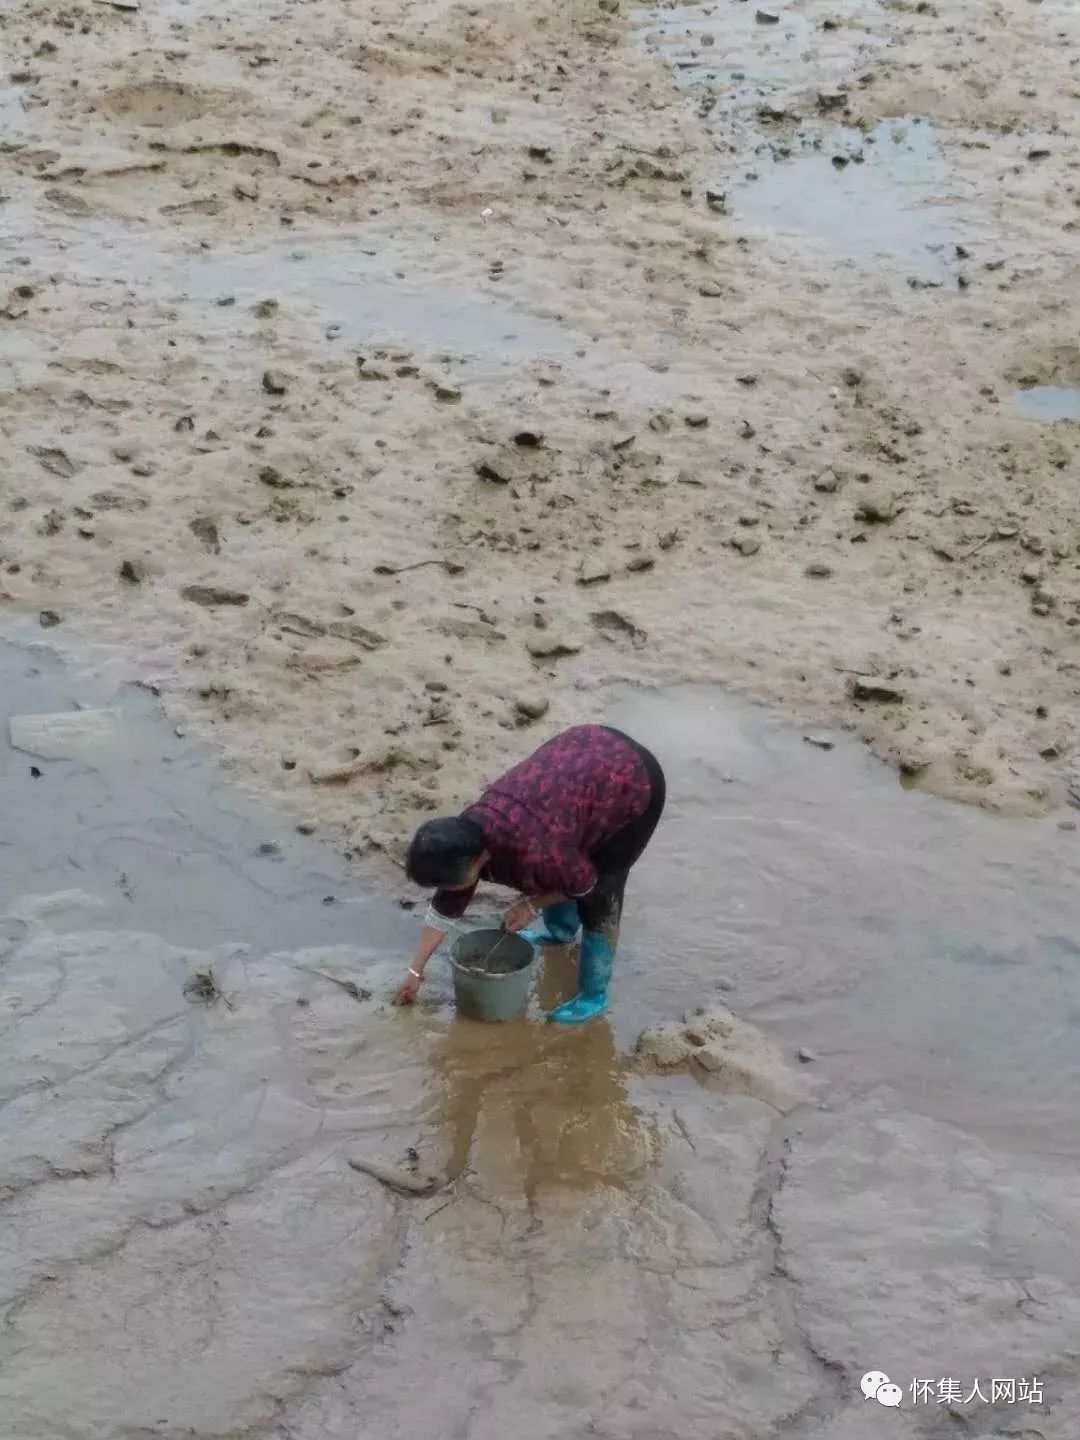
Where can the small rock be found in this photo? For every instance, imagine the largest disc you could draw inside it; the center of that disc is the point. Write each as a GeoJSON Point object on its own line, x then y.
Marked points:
{"type": "Point", "coordinates": [614, 626]}
{"type": "Point", "coordinates": [246, 190]}
{"type": "Point", "coordinates": [696, 420]}
{"type": "Point", "coordinates": [49, 619]}
{"type": "Point", "coordinates": [852, 378]}
{"type": "Point", "coordinates": [1031, 574]}
{"type": "Point", "coordinates": [827, 483]}
{"type": "Point", "coordinates": [266, 309]}
{"type": "Point", "coordinates": [746, 544]}
{"type": "Point", "coordinates": [818, 570]}
{"type": "Point", "coordinates": [274, 382]}
{"type": "Point", "coordinates": [819, 742]}
{"type": "Point", "coordinates": [832, 99]}
{"type": "Point", "coordinates": [185, 424]}
{"type": "Point", "coordinates": [445, 392]}
{"type": "Point", "coordinates": [640, 564]}
{"type": "Point", "coordinates": [711, 289]}
{"type": "Point", "coordinates": [531, 707]}
{"type": "Point", "coordinates": [875, 692]}
{"type": "Point", "coordinates": [306, 827]}
{"type": "Point", "coordinates": [492, 471]}
{"type": "Point", "coordinates": [877, 509]}
{"type": "Point", "coordinates": [204, 529]}
{"type": "Point", "coordinates": [550, 646]}
{"type": "Point", "coordinates": [529, 439]}
{"type": "Point", "coordinates": [717, 200]}
{"type": "Point", "coordinates": [272, 476]}
{"type": "Point", "coordinates": [56, 461]}
{"type": "Point", "coordinates": [806, 1056]}
{"type": "Point", "coordinates": [133, 572]}
{"type": "Point", "coordinates": [1066, 824]}
{"type": "Point", "coordinates": [211, 595]}
{"type": "Point", "coordinates": [767, 17]}
{"type": "Point", "coordinates": [593, 572]}
{"type": "Point", "coordinates": [747, 431]}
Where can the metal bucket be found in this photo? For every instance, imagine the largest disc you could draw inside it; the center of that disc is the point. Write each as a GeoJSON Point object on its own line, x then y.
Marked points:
{"type": "Point", "coordinates": [492, 974]}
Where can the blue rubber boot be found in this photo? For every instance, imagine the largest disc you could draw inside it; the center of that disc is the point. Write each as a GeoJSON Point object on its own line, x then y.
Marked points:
{"type": "Point", "coordinates": [594, 976]}
{"type": "Point", "coordinates": [559, 925]}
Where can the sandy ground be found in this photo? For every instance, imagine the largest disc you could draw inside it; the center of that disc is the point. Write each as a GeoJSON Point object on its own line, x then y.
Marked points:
{"type": "Point", "coordinates": [305, 294]}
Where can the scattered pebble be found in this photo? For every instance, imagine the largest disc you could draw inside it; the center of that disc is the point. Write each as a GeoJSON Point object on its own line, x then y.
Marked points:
{"type": "Point", "coordinates": [551, 646]}
{"type": "Point", "coordinates": [827, 483]}
{"type": "Point", "coordinates": [211, 595]}
{"type": "Point", "coordinates": [532, 707]}
{"type": "Point", "coordinates": [877, 509]}
{"type": "Point", "coordinates": [593, 572]}
{"type": "Point", "coordinates": [49, 619]}
{"type": "Point", "coordinates": [274, 382]}
{"type": "Point", "coordinates": [875, 692]}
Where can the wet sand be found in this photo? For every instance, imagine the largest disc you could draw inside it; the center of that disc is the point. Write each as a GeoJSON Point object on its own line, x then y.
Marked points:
{"type": "Point", "coordinates": [678, 346]}
{"type": "Point", "coordinates": [741, 364]}
{"type": "Point", "coordinates": [187, 1248]}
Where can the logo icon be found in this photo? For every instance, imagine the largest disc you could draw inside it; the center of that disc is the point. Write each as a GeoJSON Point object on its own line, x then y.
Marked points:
{"type": "Point", "coordinates": [876, 1385]}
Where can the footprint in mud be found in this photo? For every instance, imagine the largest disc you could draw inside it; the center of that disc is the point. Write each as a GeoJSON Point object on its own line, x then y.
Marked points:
{"type": "Point", "coordinates": [156, 104]}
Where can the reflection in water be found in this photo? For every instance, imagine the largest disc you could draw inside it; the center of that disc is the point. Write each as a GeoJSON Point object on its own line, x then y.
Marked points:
{"type": "Point", "coordinates": [531, 1106]}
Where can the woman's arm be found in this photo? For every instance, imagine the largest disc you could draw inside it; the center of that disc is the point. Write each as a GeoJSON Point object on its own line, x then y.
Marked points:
{"type": "Point", "coordinates": [524, 911]}
{"type": "Point", "coordinates": [430, 940]}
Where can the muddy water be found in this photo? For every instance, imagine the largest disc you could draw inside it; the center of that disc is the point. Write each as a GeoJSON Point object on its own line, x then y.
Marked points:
{"type": "Point", "coordinates": [884, 194]}
{"type": "Point", "coordinates": [1049, 402]}
{"type": "Point", "coordinates": [559, 1245]}
{"type": "Point", "coordinates": [916, 945]}
{"type": "Point", "coordinates": [352, 292]}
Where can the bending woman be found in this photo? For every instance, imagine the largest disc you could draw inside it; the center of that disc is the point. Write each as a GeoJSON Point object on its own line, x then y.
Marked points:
{"type": "Point", "coordinates": [563, 828]}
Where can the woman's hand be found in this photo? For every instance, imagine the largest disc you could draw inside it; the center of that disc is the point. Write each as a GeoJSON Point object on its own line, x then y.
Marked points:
{"type": "Point", "coordinates": [406, 991]}
{"type": "Point", "coordinates": [520, 914]}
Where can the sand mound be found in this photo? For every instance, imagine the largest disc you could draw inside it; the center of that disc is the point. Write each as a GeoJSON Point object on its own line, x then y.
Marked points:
{"type": "Point", "coordinates": [717, 1047]}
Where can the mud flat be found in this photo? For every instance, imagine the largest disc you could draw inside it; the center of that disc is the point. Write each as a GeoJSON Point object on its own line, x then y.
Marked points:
{"type": "Point", "coordinates": [242, 1195]}
{"type": "Point", "coordinates": [376, 380]}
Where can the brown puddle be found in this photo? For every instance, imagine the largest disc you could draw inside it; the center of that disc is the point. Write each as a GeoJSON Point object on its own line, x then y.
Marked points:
{"type": "Point", "coordinates": [546, 1241]}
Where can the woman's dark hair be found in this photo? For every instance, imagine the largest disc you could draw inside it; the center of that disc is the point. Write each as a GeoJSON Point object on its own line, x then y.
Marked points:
{"type": "Point", "coordinates": [442, 851]}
